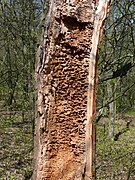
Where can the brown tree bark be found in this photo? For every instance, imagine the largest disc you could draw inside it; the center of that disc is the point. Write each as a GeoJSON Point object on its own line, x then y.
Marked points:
{"type": "Point", "coordinates": [66, 86]}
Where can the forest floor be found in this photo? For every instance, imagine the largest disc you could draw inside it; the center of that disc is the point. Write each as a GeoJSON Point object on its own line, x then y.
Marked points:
{"type": "Point", "coordinates": [114, 159]}
{"type": "Point", "coordinates": [16, 147]}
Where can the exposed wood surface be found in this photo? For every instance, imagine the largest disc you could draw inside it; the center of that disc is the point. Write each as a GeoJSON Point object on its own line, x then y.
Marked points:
{"type": "Point", "coordinates": [65, 83]}
{"type": "Point", "coordinates": [100, 16]}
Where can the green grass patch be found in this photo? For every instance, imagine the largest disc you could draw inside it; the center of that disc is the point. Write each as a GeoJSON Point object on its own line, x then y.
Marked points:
{"type": "Point", "coordinates": [16, 149]}
{"type": "Point", "coordinates": [115, 159]}
{"type": "Point", "coordinates": [131, 112]}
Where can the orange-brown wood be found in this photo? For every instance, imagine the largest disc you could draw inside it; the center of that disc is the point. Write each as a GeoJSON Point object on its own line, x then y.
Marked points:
{"type": "Point", "coordinates": [66, 87]}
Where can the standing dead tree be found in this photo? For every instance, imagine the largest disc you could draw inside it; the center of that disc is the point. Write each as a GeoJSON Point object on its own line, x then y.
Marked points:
{"type": "Point", "coordinates": [66, 86]}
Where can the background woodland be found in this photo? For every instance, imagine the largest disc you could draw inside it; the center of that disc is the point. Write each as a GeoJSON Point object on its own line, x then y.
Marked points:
{"type": "Point", "coordinates": [20, 29]}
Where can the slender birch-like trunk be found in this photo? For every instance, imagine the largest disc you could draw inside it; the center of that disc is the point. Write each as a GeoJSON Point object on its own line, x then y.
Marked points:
{"type": "Point", "coordinates": [66, 87]}
{"type": "Point", "coordinates": [112, 108]}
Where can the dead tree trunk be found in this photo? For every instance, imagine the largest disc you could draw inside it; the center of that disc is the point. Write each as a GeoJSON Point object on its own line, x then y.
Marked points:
{"type": "Point", "coordinates": [65, 83]}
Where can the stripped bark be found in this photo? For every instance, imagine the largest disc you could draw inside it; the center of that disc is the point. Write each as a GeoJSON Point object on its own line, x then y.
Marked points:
{"type": "Point", "coordinates": [100, 16]}
{"type": "Point", "coordinates": [66, 87]}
